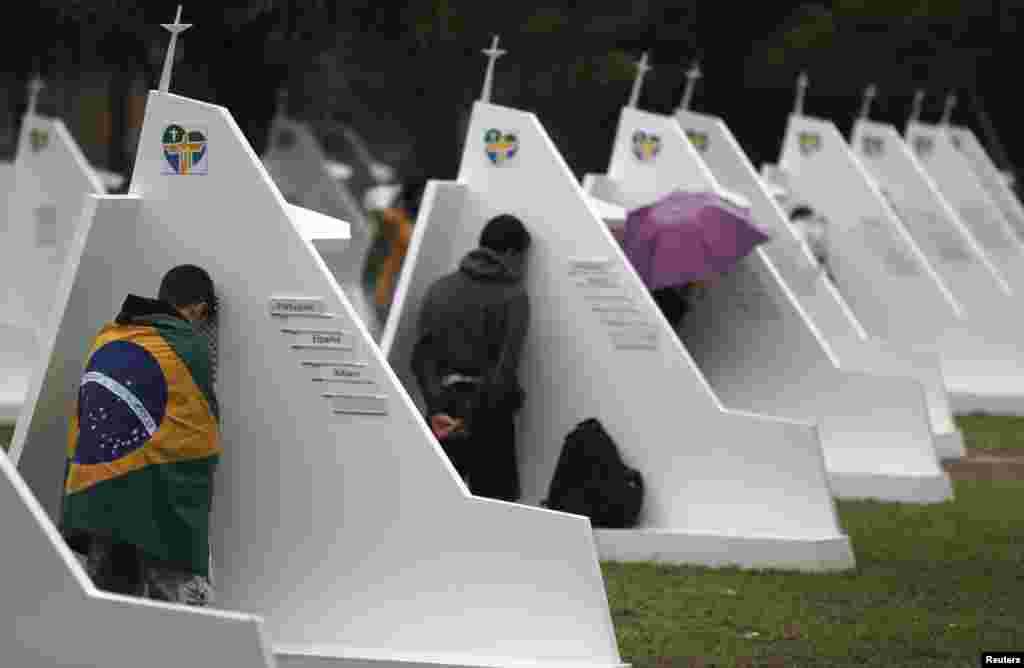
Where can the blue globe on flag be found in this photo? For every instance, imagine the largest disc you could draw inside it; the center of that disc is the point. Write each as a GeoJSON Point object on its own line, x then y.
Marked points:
{"type": "Point", "coordinates": [122, 401]}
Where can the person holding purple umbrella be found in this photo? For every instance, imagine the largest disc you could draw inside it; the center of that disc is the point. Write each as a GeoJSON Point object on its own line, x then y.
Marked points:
{"type": "Point", "coordinates": [685, 239]}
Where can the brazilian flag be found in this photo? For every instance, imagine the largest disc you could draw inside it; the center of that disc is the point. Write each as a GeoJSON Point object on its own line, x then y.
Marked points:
{"type": "Point", "coordinates": [144, 441]}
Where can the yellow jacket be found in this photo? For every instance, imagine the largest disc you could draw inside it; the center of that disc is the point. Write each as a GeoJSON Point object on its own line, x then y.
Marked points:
{"type": "Point", "coordinates": [397, 229]}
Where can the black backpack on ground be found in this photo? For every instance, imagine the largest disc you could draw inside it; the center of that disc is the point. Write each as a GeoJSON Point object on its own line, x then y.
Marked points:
{"type": "Point", "coordinates": [592, 480]}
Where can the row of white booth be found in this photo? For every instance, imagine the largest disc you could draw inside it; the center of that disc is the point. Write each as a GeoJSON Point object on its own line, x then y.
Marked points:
{"type": "Point", "coordinates": [342, 535]}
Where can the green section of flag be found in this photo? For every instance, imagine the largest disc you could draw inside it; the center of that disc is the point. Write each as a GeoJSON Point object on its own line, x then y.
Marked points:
{"type": "Point", "coordinates": [163, 509]}
{"type": "Point", "coordinates": [158, 497]}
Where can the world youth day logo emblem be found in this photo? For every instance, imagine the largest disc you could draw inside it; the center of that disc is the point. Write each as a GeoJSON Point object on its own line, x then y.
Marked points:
{"type": "Point", "coordinates": [185, 151]}
{"type": "Point", "coordinates": [698, 139]}
{"type": "Point", "coordinates": [646, 146]}
{"type": "Point", "coordinates": [39, 139]}
{"type": "Point", "coordinates": [500, 146]}
{"type": "Point", "coordinates": [809, 142]}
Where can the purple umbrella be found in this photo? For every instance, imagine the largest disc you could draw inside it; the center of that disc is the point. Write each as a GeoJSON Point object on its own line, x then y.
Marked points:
{"type": "Point", "coordinates": [688, 236]}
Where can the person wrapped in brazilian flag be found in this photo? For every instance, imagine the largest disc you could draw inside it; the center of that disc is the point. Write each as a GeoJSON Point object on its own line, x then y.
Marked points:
{"type": "Point", "coordinates": [143, 445]}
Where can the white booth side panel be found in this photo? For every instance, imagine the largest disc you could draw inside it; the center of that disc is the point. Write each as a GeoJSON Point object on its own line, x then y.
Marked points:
{"type": "Point", "coordinates": [749, 312]}
{"type": "Point", "coordinates": [707, 472]}
{"type": "Point", "coordinates": [972, 276]}
{"type": "Point", "coordinates": [934, 148]}
{"type": "Point", "coordinates": [52, 180]}
{"type": "Point", "coordinates": [336, 516]}
{"type": "Point", "coordinates": [989, 176]}
{"type": "Point", "coordinates": [882, 274]}
{"type": "Point", "coordinates": [52, 615]}
{"type": "Point", "coordinates": [298, 167]}
{"type": "Point", "coordinates": [828, 314]}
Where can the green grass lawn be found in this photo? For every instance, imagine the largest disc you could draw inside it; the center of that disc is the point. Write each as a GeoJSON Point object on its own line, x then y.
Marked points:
{"type": "Point", "coordinates": [6, 434]}
{"type": "Point", "coordinates": [934, 586]}
{"type": "Point", "coordinates": [988, 432]}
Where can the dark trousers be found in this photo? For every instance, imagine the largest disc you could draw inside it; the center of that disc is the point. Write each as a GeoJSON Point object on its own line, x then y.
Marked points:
{"type": "Point", "coordinates": [673, 303]}
{"type": "Point", "coordinates": [485, 457]}
{"type": "Point", "coordinates": [121, 568]}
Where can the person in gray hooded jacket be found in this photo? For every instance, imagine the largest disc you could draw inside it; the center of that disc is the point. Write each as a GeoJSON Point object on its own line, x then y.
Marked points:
{"type": "Point", "coordinates": [472, 325]}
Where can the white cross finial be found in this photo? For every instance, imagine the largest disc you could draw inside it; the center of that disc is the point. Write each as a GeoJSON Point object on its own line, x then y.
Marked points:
{"type": "Point", "coordinates": [642, 68]}
{"type": "Point", "coordinates": [915, 110]}
{"type": "Point", "coordinates": [35, 86]}
{"type": "Point", "coordinates": [174, 28]}
{"type": "Point", "coordinates": [492, 54]}
{"type": "Point", "coordinates": [691, 85]}
{"type": "Point", "coordinates": [802, 82]}
{"type": "Point", "coordinates": [947, 112]}
{"type": "Point", "coordinates": [870, 93]}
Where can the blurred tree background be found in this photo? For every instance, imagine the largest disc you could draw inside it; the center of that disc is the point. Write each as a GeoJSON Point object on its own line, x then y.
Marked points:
{"type": "Point", "coordinates": [405, 74]}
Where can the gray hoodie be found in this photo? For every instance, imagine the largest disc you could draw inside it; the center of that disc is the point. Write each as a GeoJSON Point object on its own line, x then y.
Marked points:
{"type": "Point", "coordinates": [469, 318]}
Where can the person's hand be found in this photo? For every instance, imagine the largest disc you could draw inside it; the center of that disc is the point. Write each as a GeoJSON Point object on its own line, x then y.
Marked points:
{"type": "Point", "coordinates": [444, 426]}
